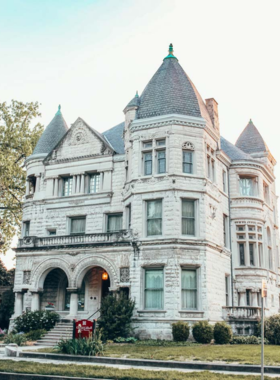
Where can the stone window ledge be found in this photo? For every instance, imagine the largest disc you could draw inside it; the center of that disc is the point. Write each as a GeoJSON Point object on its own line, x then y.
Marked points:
{"type": "Point", "coordinates": [191, 313]}
{"type": "Point", "coordinates": [151, 311]}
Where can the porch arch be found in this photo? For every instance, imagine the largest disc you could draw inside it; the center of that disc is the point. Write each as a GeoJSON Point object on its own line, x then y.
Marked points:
{"type": "Point", "coordinates": [40, 273]}
{"type": "Point", "coordinates": [95, 261]}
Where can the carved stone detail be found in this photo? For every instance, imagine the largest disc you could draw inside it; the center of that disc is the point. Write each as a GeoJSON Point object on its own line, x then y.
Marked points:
{"type": "Point", "coordinates": [26, 277]}
{"type": "Point", "coordinates": [124, 274]}
{"type": "Point", "coordinates": [188, 145]}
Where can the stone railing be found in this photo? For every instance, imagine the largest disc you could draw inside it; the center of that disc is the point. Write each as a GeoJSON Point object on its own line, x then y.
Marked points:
{"type": "Point", "coordinates": [241, 312]}
{"type": "Point", "coordinates": [51, 241]}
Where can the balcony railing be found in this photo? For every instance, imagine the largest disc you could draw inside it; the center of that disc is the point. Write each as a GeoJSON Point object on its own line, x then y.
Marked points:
{"type": "Point", "coordinates": [50, 241]}
{"type": "Point", "coordinates": [241, 313]}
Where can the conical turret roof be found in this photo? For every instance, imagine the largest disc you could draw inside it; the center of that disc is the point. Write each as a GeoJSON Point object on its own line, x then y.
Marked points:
{"type": "Point", "coordinates": [170, 91]}
{"type": "Point", "coordinates": [251, 141]}
{"type": "Point", "coordinates": [51, 135]}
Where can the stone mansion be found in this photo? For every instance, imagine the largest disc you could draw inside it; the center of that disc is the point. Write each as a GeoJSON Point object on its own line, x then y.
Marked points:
{"type": "Point", "coordinates": [159, 207]}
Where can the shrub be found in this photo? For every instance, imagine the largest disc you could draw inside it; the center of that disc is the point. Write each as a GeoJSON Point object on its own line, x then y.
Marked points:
{"type": "Point", "coordinates": [202, 332]}
{"type": "Point", "coordinates": [130, 339]}
{"type": "Point", "coordinates": [272, 329]}
{"type": "Point", "coordinates": [222, 333]}
{"type": "Point", "coordinates": [6, 308]}
{"type": "Point", "coordinates": [35, 334]}
{"type": "Point", "coordinates": [251, 339]}
{"type": "Point", "coordinates": [87, 347]}
{"type": "Point", "coordinates": [180, 331]}
{"type": "Point", "coordinates": [19, 339]}
{"type": "Point", "coordinates": [34, 320]}
{"type": "Point", "coordinates": [115, 317]}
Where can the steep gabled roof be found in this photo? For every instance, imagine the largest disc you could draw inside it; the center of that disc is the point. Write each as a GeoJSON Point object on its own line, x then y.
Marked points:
{"type": "Point", "coordinates": [115, 138]}
{"type": "Point", "coordinates": [233, 152]}
{"type": "Point", "coordinates": [170, 91]}
{"type": "Point", "coordinates": [251, 141]}
{"type": "Point", "coordinates": [51, 135]}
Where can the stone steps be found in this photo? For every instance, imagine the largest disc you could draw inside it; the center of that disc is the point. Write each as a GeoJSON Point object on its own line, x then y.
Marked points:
{"type": "Point", "coordinates": [60, 331]}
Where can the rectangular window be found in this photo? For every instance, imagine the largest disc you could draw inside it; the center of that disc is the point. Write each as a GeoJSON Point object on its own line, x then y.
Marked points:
{"type": "Point", "coordinates": [188, 217]}
{"type": "Point", "coordinates": [94, 183]}
{"type": "Point", "coordinates": [248, 297]}
{"type": "Point", "coordinates": [260, 255]}
{"type": "Point", "coordinates": [114, 222]}
{"type": "Point", "coordinates": [251, 251]}
{"type": "Point", "coordinates": [227, 290]}
{"type": "Point", "coordinates": [26, 228]}
{"type": "Point", "coordinates": [161, 161]}
{"type": "Point", "coordinates": [154, 289]}
{"type": "Point", "coordinates": [154, 217]}
{"type": "Point", "coordinates": [189, 289]}
{"type": "Point", "coordinates": [187, 161]}
{"type": "Point", "coordinates": [161, 142]}
{"type": "Point", "coordinates": [52, 232]}
{"type": "Point", "coordinates": [241, 253]}
{"type": "Point", "coordinates": [246, 186]}
{"type": "Point", "coordinates": [224, 181]}
{"type": "Point", "coordinates": [67, 186]}
{"type": "Point", "coordinates": [148, 163]}
{"type": "Point", "coordinates": [225, 229]}
{"type": "Point", "coordinates": [128, 217]}
{"type": "Point", "coordinates": [147, 144]}
{"type": "Point", "coordinates": [78, 226]}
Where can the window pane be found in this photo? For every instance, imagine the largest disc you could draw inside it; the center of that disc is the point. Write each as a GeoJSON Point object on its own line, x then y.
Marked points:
{"type": "Point", "coordinates": [161, 161]}
{"type": "Point", "coordinates": [187, 162]}
{"type": "Point", "coordinates": [154, 227]}
{"type": "Point", "coordinates": [67, 188]}
{"type": "Point", "coordinates": [246, 186]}
{"type": "Point", "coordinates": [189, 289]}
{"type": "Point", "coordinates": [148, 144]}
{"type": "Point", "coordinates": [94, 183]}
{"type": "Point", "coordinates": [251, 249]}
{"type": "Point", "coordinates": [241, 254]}
{"type": "Point", "coordinates": [78, 226]}
{"type": "Point", "coordinates": [148, 163]}
{"type": "Point", "coordinates": [154, 209]}
{"type": "Point", "coordinates": [26, 228]}
{"type": "Point", "coordinates": [154, 218]}
{"type": "Point", "coordinates": [188, 217]}
{"type": "Point", "coordinates": [114, 222]}
{"type": "Point", "coordinates": [161, 142]}
{"type": "Point", "coordinates": [154, 289]}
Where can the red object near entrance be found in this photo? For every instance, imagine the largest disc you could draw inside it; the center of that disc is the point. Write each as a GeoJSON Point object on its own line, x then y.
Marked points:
{"type": "Point", "coordinates": [83, 328]}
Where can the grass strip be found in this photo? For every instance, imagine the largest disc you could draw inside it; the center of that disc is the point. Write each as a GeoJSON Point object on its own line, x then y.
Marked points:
{"type": "Point", "coordinates": [111, 372]}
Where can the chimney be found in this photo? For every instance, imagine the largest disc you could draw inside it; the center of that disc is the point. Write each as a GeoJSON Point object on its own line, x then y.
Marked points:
{"type": "Point", "coordinates": [212, 108]}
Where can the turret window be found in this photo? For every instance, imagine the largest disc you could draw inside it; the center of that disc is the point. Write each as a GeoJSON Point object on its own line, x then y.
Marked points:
{"type": "Point", "coordinates": [248, 186]}
{"type": "Point", "coordinates": [148, 163]}
{"type": "Point", "coordinates": [154, 149]}
{"type": "Point", "coordinates": [188, 217]}
{"type": "Point", "coordinates": [187, 161]}
{"type": "Point", "coordinates": [154, 218]}
{"type": "Point", "coordinates": [26, 228]}
{"type": "Point", "coordinates": [161, 161]}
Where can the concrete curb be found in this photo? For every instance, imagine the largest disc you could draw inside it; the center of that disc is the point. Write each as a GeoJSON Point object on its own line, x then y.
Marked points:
{"type": "Point", "coordinates": [24, 376]}
{"type": "Point", "coordinates": [154, 363]}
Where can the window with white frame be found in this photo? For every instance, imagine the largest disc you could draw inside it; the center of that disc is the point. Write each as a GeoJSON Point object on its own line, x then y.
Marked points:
{"type": "Point", "coordinates": [148, 163]}
{"type": "Point", "coordinates": [67, 186]}
{"type": "Point", "coordinates": [161, 161]}
{"type": "Point", "coordinates": [94, 183]}
{"type": "Point", "coordinates": [78, 225]}
{"type": "Point", "coordinates": [26, 228]}
{"type": "Point", "coordinates": [269, 249]}
{"type": "Point", "coordinates": [188, 217]}
{"type": "Point", "coordinates": [248, 186]}
{"type": "Point", "coordinates": [241, 247]}
{"type": "Point", "coordinates": [154, 289]}
{"type": "Point", "coordinates": [154, 217]}
{"type": "Point", "coordinates": [252, 253]}
{"type": "Point", "coordinates": [154, 148]}
{"type": "Point", "coordinates": [188, 161]}
{"type": "Point", "coordinates": [189, 289]}
{"type": "Point", "coordinates": [114, 222]}
{"type": "Point", "coordinates": [249, 237]}
{"type": "Point", "coordinates": [210, 157]}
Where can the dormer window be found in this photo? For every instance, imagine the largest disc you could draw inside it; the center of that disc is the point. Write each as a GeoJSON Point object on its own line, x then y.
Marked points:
{"type": "Point", "coordinates": [67, 186]}
{"type": "Point", "coordinates": [94, 183]}
{"type": "Point", "coordinates": [247, 186]}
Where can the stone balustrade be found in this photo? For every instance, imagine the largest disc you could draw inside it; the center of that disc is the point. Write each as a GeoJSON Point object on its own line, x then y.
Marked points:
{"type": "Point", "coordinates": [97, 238]}
{"type": "Point", "coordinates": [242, 313]}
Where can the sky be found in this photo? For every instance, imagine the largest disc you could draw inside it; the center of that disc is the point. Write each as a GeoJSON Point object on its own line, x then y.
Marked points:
{"type": "Point", "coordinates": [91, 56]}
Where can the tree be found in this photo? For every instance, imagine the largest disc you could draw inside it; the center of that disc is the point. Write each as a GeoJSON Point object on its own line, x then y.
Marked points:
{"type": "Point", "coordinates": [6, 308]}
{"type": "Point", "coordinates": [6, 277]}
{"type": "Point", "coordinates": [17, 141]}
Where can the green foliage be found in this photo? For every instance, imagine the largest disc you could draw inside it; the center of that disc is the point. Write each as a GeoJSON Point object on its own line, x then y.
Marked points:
{"type": "Point", "coordinates": [19, 339]}
{"type": "Point", "coordinates": [272, 329]}
{"type": "Point", "coordinates": [6, 277]}
{"type": "Point", "coordinates": [87, 347]}
{"type": "Point", "coordinates": [116, 314]}
{"type": "Point", "coordinates": [180, 331]}
{"type": "Point", "coordinates": [35, 334]}
{"type": "Point", "coordinates": [6, 308]}
{"type": "Point", "coordinates": [202, 332]}
{"type": "Point", "coordinates": [18, 139]}
{"type": "Point", "coordinates": [251, 339]}
{"type": "Point", "coordinates": [222, 333]}
{"type": "Point", "coordinates": [130, 339]}
{"type": "Point", "coordinates": [34, 320]}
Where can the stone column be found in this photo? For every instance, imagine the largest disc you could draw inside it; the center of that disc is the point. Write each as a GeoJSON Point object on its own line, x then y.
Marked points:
{"type": "Point", "coordinates": [101, 181]}
{"type": "Point", "coordinates": [27, 190]}
{"type": "Point", "coordinates": [37, 185]}
{"type": "Point", "coordinates": [73, 303]}
{"type": "Point", "coordinates": [82, 190]}
{"type": "Point", "coordinates": [74, 185]}
{"type": "Point", "coordinates": [35, 302]}
{"type": "Point", "coordinates": [56, 187]}
{"type": "Point", "coordinates": [78, 184]}
{"type": "Point", "coordinates": [242, 297]}
{"type": "Point", "coordinates": [18, 303]}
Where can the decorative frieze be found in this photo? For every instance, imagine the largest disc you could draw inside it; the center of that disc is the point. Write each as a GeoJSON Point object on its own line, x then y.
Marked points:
{"type": "Point", "coordinates": [124, 274]}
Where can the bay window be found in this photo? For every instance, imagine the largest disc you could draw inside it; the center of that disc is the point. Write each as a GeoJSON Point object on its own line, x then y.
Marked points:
{"type": "Point", "coordinates": [189, 289]}
{"type": "Point", "coordinates": [154, 290]}
{"type": "Point", "coordinates": [248, 186]}
{"type": "Point", "coordinates": [154, 217]}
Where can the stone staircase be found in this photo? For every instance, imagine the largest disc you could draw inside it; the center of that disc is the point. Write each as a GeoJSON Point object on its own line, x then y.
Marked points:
{"type": "Point", "coordinates": [62, 330]}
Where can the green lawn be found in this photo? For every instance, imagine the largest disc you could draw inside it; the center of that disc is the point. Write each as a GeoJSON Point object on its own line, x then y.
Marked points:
{"type": "Point", "coordinates": [245, 354]}
{"type": "Point", "coordinates": [112, 373]}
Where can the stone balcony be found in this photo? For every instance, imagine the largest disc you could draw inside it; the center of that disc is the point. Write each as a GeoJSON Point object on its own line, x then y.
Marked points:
{"type": "Point", "coordinates": [107, 238]}
{"type": "Point", "coordinates": [241, 313]}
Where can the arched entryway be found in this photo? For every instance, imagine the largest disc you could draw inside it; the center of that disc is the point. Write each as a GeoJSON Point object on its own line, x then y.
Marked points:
{"type": "Point", "coordinates": [55, 291]}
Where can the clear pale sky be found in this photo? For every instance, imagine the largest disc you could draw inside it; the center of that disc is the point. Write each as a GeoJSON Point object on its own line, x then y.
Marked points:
{"type": "Point", "coordinates": [91, 56]}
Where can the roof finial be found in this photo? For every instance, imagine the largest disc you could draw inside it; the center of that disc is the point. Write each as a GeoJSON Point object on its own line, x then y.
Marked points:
{"type": "Point", "coordinates": [170, 50]}
{"type": "Point", "coordinates": [136, 95]}
{"type": "Point", "coordinates": [59, 110]}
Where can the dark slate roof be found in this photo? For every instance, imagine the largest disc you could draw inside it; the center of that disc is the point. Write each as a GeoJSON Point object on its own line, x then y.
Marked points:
{"type": "Point", "coordinates": [51, 135]}
{"type": "Point", "coordinates": [233, 152]}
{"type": "Point", "coordinates": [171, 91]}
{"type": "Point", "coordinates": [115, 138]}
{"type": "Point", "coordinates": [134, 102]}
{"type": "Point", "coordinates": [251, 141]}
